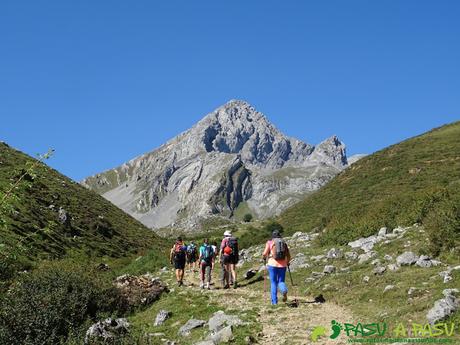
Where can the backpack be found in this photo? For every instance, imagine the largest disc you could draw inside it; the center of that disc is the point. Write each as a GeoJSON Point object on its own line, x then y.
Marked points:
{"type": "Point", "coordinates": [191, 249]}
{"type": "Point", "coordinates": [208, 254]}
{"type": "Point", "coordinates": [178, 250]}
{"type": "Point", "coordinates": [231, 246]}
{"type": "Point", "coordinates": [280, 249]}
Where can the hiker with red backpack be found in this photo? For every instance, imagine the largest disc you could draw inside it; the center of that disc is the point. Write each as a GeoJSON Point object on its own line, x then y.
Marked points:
{"type": "Point", "coordinates": [229, 254]}
{"type": "Point", "coordinates": [277, 252]}
{"type": "Point", "coordinates": [206, 260]}
{"type": "Point", "coordinates": [177, 256]}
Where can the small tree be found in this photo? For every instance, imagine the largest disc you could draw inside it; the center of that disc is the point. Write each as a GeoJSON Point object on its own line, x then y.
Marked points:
{"type": "Point", "coordinates": [247, 217]}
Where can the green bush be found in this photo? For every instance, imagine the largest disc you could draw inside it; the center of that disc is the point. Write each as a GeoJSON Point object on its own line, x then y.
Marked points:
{"type": "Point", "coordinates": [48, 304]}
{"type": "Point", "coordinates": [442, 225]}
{"type": "Point", "coordinates": [247, 217]}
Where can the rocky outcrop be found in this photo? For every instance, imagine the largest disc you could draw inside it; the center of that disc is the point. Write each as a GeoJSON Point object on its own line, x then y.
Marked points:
{"type": "Point", "coordinates": [234, 157]}
{"type": "Point", "coordinates": [140, 290]}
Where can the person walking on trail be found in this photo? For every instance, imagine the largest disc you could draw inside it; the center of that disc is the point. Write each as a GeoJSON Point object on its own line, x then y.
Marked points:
{"type": "Point", "coordinates": [229, 253]}
{"type": "Point", "coordinates": [277, 252]}
{"type": "Point", "coordinates": [206, 260]}
{"type": "Point", "coordinates": [177, 256]}
{"type": "Point", "coordinates": [216, 253]}
{"type": "Point", "coordinates": [192, 256]}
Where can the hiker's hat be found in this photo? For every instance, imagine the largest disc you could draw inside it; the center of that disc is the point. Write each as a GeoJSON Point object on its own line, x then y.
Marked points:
{"type": "Point", "coordinates": [227, 233]}
{"type": "Point", "coordinates": [276, 234]}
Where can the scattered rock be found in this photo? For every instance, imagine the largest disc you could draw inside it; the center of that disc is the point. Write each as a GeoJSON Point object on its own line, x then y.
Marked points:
{"type": "Point", "coordinates": [107, 329]}
{"type": "Point", "coordinates": [366, 257]}
{"type": "Point", "coordinates": [219, 320]}
{"type": "Point", "coordinates": [382, 232]}
{"type": "Point", "coordinates": [334, 253]}
{"type": "Point", "coordinates": [249, 340]}
{"type": "Point", "coordinates": [225, 335]}
{"type": "Point", "coordinates": [388, 288]}
{"type": "Point", "coordinates": [379, 270]}
{"type": "Point", "coordinates": [329, 269]}
{"type": "Point", "coordinates": [411, 290]}
{"type": "Point", "coordinates": [351, 255]}
{"type": "Point", "coordinates": [63, 216]}
{"type": "Point", "coordinates": [388, 257]}
{"type": "Point", "coordinates": [345, 269]}
{"type": "Point", "coordinates": [191, 324]}
{"type": "Point", "coordinates": [426, 261]}
{"type": "Point", "coordinates": [250, 274]}
{"type": "Point", "coordinates": [444, 307]}
{"type": "Point", "coordinates": [407, 258]}
{"type": "Point", "coordinates": [393, 267]}
{"type": "Point", "coordinates": [375, 262]}
{"type": "Point", "coordinates": [103, 267]}
{"type": "Point", "coordinates": [140, 290]}
{"type": "Point", "coordinates": [161, 317]}
{"type": "Point", "coordinates": [366, 279]}
{"type": "Point", "coordinates": [298, 262]}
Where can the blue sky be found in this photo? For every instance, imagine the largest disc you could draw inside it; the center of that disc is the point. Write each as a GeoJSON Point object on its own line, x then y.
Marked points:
{"type": "Point", "coordinates": [104, 81]}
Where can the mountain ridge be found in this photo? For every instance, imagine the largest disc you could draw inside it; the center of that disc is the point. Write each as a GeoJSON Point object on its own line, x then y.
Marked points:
{"type": "Point", "coordinates": [232, 156]}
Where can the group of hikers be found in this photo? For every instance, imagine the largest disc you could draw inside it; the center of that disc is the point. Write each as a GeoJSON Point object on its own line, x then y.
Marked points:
{"type": "Point", "coordinates": [276, 257]}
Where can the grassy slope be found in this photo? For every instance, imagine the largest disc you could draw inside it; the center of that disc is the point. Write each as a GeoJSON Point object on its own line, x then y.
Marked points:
{"type": "Point", "coordinates": [394, 186]}
{"type": "Point", "coordinates": [96, 227]}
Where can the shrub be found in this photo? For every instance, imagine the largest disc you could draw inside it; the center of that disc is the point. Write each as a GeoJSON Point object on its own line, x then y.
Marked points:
{"type": "Point", "coordinates": [46, 305]}
{"type": "Point", "coordinates": [442, 225]}
{"type": "Point", "coordinates": [247, 217]}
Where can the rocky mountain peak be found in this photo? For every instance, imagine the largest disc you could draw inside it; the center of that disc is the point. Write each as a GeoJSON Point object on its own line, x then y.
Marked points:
{"type": "Point", "coordinates": [234, 156]}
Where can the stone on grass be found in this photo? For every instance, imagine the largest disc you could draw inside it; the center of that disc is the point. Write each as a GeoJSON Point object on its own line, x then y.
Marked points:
{"type": "Point", "coordinates": [379, 270]}
{"type": "Point", "coordinates": [444, 307]}
{"type": "Point", "coordinates": [225, 335]}
{"type": "Point", "coordinates": [334, 253]}
{"type": "Point", "coordinates": [351, 255]}
{"type": "Point", "coordinates": [219, 320]}
{"type": "Point", "coordinates": [329, 269]}
{"type": "Point", "coordinates": [107, 330]}
{"type": "Point", "coordinates": [191, 324]}
{"type": "Point", "coordinates": [161, 317]}
{"type": "Point", "coordinates": [388, 288]}
{"type": "Point", "coordinates": [407, 258]}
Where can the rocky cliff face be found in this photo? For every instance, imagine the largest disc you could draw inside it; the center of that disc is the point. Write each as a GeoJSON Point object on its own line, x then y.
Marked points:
{"type": "Point", "coordinates": [232, 159]}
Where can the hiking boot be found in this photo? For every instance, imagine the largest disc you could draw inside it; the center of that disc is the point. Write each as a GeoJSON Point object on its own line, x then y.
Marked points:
{"type": "Point", "coordinates": [235, 285]}
{"type": "Point", "coordinates": [180, 283]}
{"type": "Point", "coordinates": [285, 297]}
{"type": "Point", "coordinates": [227, 286]}
{"type": "Point", "coordinates": [207, 286]}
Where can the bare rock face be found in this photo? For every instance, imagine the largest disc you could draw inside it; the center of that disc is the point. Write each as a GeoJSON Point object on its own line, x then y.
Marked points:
{"type": "Point", "coordinates": [234, 157]}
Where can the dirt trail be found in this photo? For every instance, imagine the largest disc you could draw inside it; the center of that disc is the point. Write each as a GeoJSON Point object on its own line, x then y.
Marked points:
{"type": "Point", "coordinates": [280, 324]}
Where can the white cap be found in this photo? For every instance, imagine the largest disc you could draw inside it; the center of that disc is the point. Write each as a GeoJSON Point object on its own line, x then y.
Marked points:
{"type": "Point", "coordinates": [227, 233]}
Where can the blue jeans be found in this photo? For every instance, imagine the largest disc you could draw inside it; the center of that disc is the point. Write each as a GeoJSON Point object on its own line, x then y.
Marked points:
{"type": "Point", "coordinates": [277, 276]}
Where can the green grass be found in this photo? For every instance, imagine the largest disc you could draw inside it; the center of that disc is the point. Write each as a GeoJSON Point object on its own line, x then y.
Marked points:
{"type": "Point", "coordinates": [96, 228]}
{"type": "Point", "coordinates": [399, 185]}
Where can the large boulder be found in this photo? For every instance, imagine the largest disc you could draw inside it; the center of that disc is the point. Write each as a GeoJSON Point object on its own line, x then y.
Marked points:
{"type": "Point", "coordinates": [444, 307]}
{"type": "Point", "coordinates": [190, 324]}
{"type": "Point", "coordinates": [219, 320]}
{"type": "Point", "coordinates": [107, 330]}
{"type": "Point", "coordinates": [407, 258]}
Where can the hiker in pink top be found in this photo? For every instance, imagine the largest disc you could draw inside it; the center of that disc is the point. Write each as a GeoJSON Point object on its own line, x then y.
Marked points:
{"type": "Point", "coordinates": [277, 252]}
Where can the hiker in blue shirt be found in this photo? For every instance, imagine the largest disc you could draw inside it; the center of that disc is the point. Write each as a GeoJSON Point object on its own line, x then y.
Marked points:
{"type": "Point", "coordinates": [206, 260]}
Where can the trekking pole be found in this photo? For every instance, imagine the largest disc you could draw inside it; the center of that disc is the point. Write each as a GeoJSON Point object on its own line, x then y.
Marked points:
{"type": "Point", "coordinates": [265, 279]}
{"type": "Point", "coordinates": [290, 275]}
{"type": "Point", "coordinates": [295, 303]}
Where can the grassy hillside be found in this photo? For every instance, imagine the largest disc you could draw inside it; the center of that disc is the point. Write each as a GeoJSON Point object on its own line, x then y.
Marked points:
{"type": "Point", "coordinates": [417, 180]}
{"type": "Point", "coordinates": [30, 226]}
